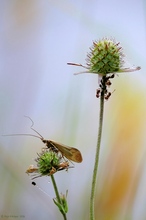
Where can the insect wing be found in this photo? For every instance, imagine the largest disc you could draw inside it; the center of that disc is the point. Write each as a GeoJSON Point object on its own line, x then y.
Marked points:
{"type": "Point", "coordinates": [70, 153]}
{"type": "Point", "coordinates": [76, 155]}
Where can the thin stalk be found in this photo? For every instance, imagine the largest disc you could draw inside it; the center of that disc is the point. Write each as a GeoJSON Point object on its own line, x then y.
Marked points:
{"type": "Point", "coordinates": [92, 198]}
{"type": "Point", "coordinates": [58, 196]}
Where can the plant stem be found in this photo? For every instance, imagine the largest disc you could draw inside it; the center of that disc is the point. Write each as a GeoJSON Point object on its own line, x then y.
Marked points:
{"type": "Point", "coordinates": [92, 198]}
{"type": "Point", "coordinates": [58, 196]}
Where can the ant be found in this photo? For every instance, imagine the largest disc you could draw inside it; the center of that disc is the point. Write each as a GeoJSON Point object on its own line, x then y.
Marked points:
{"type": "Point", "coordinates": [104, 83]}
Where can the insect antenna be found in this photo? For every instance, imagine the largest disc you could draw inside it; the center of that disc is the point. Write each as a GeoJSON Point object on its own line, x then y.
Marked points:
{"type": "Point", "coordinates": [33, 135]}
{"type": "Point", "coordinates": [21, 135]}
{"type": "Point", "coordinates": [33, 128]}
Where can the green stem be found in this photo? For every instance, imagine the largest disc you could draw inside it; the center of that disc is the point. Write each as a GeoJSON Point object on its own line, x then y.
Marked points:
{"type": "Point", "coordinates": [92, 198]}
{"type": "Point", "coordinates": [58, 196]}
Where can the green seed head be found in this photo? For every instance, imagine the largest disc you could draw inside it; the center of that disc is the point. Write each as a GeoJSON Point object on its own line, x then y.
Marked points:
{"type": "Point", "coordinates": [105, 57]}
{"type": "Point", "coordinates": [47, 162]}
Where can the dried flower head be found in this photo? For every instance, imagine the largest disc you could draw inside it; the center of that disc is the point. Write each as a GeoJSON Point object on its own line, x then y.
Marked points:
{"type": "Point", "coordinates": [105, 56]}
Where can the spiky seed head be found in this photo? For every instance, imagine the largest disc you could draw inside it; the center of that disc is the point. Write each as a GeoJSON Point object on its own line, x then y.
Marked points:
{"type": "Point", "coordinates": [47, 161]}
{"type": "Point", "coordinates": [105, 56]}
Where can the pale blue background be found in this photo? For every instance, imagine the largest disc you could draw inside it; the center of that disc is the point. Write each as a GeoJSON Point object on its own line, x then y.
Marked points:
{"type": "Point", "coordinates": [37, 39]}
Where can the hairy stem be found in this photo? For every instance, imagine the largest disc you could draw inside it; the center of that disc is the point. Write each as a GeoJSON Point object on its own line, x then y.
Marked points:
{"type": "Point", "coordinates": [92, 198]}
{"type": "Point", "coordinates": [58, 196]}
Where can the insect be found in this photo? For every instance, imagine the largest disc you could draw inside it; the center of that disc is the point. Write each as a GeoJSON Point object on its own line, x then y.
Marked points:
{"type": "Point", "coordinates": [108, 83]}
{"type": "Point", "coordinates": [107, 95]}
{"type": "Point", "coordinates": [97, 93]}
{"type": "Point", "coordinates": [33, 183]}
{"type": "Point", "coordinates": [70, 153]}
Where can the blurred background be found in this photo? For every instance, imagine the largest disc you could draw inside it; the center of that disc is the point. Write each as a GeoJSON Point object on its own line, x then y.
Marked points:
{"type": "Point", "coordinates": [37, 39]}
